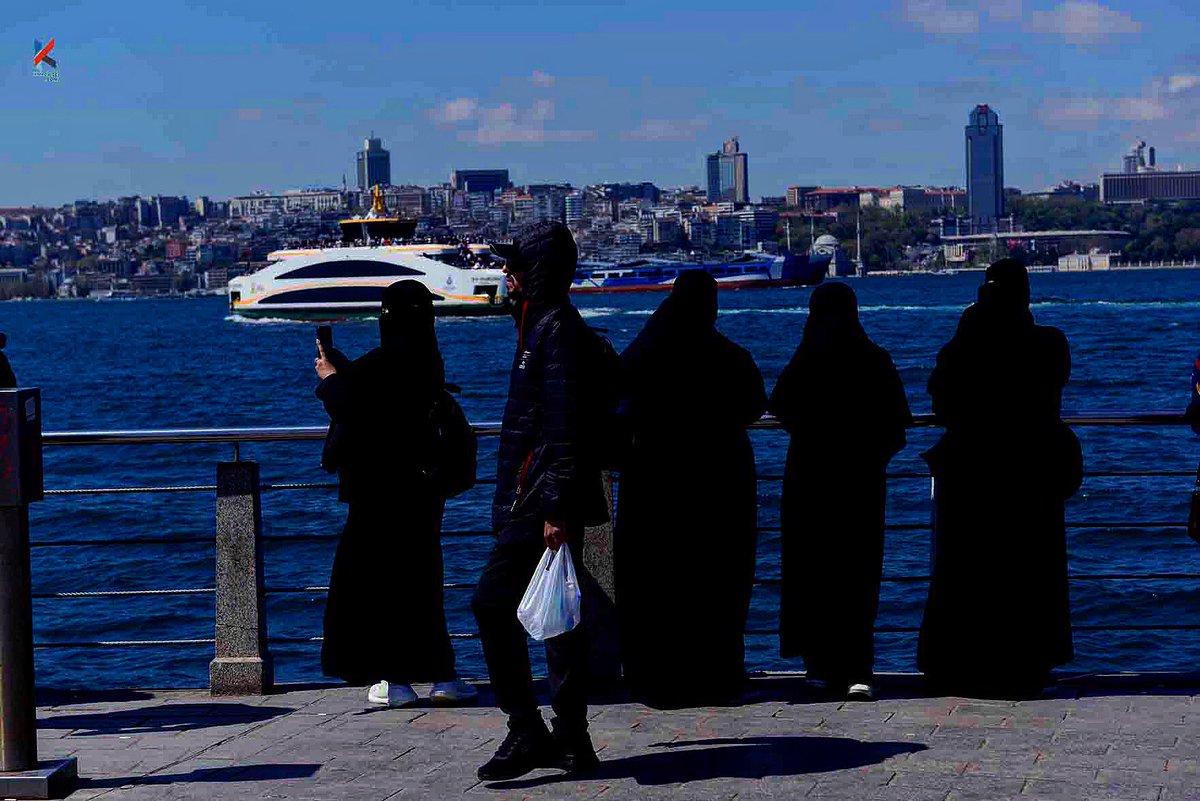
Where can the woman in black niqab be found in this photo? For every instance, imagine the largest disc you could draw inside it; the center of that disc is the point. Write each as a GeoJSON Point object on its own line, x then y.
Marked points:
{"type": "Point", "coordinates": [384, 618]}
{"type": "Point", "coordinates": [997, 618]}
{"type": "Point", "coordinates": [686, 522]}
{"type": "Point", "coordinates": [843, 403]}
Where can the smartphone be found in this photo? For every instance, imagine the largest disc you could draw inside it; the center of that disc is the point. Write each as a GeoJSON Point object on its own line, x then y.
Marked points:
{"type": "Point", "coordinates": [325, 337]}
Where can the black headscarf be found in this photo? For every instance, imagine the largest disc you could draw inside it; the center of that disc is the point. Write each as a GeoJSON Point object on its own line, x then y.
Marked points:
{"type": "Point", "coordinates": [1003, 299]}
{"type": "Point", "coordinates": [832, 323]}
{"type": "Point", "coordinates": [688, 313]}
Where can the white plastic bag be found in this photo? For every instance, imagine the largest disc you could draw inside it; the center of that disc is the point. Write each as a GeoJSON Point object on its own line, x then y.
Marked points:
{"type": "Point", "coordinates": [551, 603]}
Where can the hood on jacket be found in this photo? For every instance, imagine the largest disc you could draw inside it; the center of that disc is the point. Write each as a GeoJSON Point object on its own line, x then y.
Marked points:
{"type": "Point", "coordinates": [546, 256]}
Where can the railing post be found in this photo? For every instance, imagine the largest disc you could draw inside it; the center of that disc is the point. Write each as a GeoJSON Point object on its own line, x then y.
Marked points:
{"type": "Point", "coordinates": [600, 598]}
{"type": "Point", "coordinates": [243, 664]}
{"type": "Point", "coordinates": [21, 776]}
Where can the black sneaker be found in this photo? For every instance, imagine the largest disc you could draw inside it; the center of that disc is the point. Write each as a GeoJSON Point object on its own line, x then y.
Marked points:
{"type": "Point", "coordinates": [523, 750]}
{"type": "Point", "coordinates": [577, 756]}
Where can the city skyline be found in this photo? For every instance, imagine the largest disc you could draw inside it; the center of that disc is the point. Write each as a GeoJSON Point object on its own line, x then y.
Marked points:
{"type": "Point", "coordinates": [168, 99]}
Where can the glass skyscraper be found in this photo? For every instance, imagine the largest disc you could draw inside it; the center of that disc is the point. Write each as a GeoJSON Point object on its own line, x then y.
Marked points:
{"type": "Point", "coordinates": [728, 174]}
{"type": "Point", "coordinates": [374, 165]}
{"type": "Point", "coordinates": [985, 166]}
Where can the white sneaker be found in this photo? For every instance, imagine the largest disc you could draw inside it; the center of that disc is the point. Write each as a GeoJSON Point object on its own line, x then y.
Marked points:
{"type": "Point", "coordinates": [393, 695]}
{"type": "Point", "coordinates": [860, 692]}
{"type": "Point", "coordinates": [453, 693]}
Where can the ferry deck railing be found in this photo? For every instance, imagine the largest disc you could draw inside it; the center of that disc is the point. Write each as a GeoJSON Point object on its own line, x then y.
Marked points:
{"type": "Point", "coordinates": [239, 539]}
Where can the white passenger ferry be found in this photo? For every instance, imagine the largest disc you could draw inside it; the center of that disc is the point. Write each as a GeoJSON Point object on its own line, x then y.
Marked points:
{"type": "Point", "coordinates": [348, 281]}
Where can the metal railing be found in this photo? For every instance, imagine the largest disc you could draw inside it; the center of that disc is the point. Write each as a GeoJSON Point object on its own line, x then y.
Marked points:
{"type": "Point", "coordinates": [239, 436]}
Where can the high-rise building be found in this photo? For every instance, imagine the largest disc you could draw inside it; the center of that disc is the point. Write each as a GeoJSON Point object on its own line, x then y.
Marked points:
{"type": "Point", "coordinates": [573, 207]}
{"type": "Point", "coordinates": [486, 181]}
{"type": "Point", "coordinates": [374, 164]}
{"type": "Point", "coordinates": [985, 166]}
{"type": "Point", "coordinates": [728, 174]}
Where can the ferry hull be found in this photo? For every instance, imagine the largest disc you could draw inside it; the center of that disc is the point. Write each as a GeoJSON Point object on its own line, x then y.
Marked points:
{"type": "Point", "coordinates": [323, 315]}
{"type": "Point", "coordinates": [756, 283]}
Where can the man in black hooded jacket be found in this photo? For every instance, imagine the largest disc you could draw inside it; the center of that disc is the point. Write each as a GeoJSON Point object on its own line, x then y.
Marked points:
{"type": "Point", "coordinates": [547, 490]}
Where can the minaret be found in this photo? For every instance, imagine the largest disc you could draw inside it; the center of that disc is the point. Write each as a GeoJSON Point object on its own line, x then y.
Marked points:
{"type": "Point", "coordinates": [861, 269]}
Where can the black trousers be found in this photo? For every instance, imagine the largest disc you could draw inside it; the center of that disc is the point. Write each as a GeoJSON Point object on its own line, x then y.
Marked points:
{"type": "Point", "coordinates": [506, 644]}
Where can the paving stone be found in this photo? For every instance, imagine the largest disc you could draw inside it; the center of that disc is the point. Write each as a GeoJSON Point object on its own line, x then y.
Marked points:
{"type": "Point", "coordinates": [322, 743]}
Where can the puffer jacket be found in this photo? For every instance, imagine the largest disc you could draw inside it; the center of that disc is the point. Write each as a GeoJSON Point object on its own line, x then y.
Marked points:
{"type": "Point", "coordinates": [543, 472]}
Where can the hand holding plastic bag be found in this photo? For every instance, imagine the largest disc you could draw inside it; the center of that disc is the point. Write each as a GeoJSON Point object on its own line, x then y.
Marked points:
{"type": "Point", "coordinates": [550, 606]}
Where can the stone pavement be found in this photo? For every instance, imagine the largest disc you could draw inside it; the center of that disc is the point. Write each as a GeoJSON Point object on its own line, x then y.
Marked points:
{"type": "Point", "coordinates": [1082, 741]}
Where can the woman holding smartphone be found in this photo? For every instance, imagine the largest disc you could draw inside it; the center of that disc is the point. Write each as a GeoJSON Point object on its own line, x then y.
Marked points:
{"type": "Point", "coordinates": [384, 620]}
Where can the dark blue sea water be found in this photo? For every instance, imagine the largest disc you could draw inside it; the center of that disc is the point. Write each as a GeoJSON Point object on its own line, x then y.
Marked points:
{"type": "Point", "coordinates": [183, 363]}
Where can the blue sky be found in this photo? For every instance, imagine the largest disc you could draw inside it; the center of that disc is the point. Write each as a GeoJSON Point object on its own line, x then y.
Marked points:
{"type": "Point", "coordinates": [223, 98]}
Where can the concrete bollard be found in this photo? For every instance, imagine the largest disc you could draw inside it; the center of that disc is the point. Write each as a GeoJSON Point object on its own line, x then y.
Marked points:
{"type": "Point", "coordinates": [600, 597]}
{"type": "Point", "coordinates": [21, 775]}
{"type": "Point", "coordinates": [243, 663]}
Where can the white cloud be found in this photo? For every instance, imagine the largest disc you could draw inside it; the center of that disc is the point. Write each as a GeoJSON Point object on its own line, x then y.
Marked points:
{"type": "Point", "coordinates": [504, 122]}
{"type": "Point", "coordinates": [1178, 84]}
{"type": "Point", "coordinates": [523, 133]}
{"type": "Point", "coordinates": [938, 16]}
{"type": "Point", "coordinates": [541, 79]}
{"type": "Point", "coordinates": [663, 130]}
{"type": "Point", "coordinates": [455, 111]}
{"type": "Point", "coordinates": [1083, 22]}
{"type": "Point", "coordinates": [1071, 112]}
{"type": "Point", "coordinates": [1139, 109]}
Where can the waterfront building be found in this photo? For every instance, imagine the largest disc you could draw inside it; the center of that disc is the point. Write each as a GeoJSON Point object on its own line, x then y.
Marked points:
{"type": "Point", "coordinates": [795, 195]}
{"type": "Point", "coordinates": [985, 165]}
{"type": "Point", "coordinates": [487, 181]}
{"type": "Point", "coordinates": [832, 197]}
{"type": "Point", "coordinates": [758, 225]}
{"type": "Point", "coordinates": [727, 173]}
{"type": "Point", "coordinates": [909, 198]}
{"type": "Point", "coordinates": [1149, 186]}
{"type": "Point", "coordinates": [374, 164]}
{"type": "Point", "coordinates": [1140, 180]}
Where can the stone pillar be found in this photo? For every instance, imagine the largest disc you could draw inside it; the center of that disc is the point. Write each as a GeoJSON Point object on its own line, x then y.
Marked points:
{"type": "Point", "coordinates": [600, 597]}
{"type": "Point", "coordinates": [243, 664]}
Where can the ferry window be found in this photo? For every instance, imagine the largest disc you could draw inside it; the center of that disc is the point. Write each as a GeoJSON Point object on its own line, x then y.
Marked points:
{"type": "Point", "coordinates": [350, 268]}
{"type": "Point", "coordinates": [328, 294]}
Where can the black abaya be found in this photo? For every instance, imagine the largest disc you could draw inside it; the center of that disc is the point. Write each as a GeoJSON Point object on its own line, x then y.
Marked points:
{"type": "Point", "coordinates": [384, 617]}
{"type": "Point", "coordinates": [998, 613]}
{"type": "Point", "coordinates": [844, 404]}
{"type": "Point", "coordinates": [686, 520]}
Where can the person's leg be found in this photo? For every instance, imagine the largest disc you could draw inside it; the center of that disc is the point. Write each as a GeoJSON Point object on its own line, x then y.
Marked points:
{"type": "Point", "coordinates": [566, 660]}
{"type": "Point", "coordinates": [505, 648]}
{"type": "Point", "coordinates": [567, 663]}
{"type": "Point", "coordinates": [505, 643]}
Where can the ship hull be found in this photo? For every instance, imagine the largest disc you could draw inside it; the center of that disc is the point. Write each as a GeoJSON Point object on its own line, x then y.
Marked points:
{"type": "Point", "coordinates": [658, 275]}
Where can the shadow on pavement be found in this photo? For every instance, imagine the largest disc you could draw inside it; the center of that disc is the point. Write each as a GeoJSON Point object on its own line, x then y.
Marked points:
{"type": "Point", "coordinates": [233, 773]}
{"type": "Point", "coordinates": [162, 718]}
{"type": "Point", "coordinates": [734, 758]}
